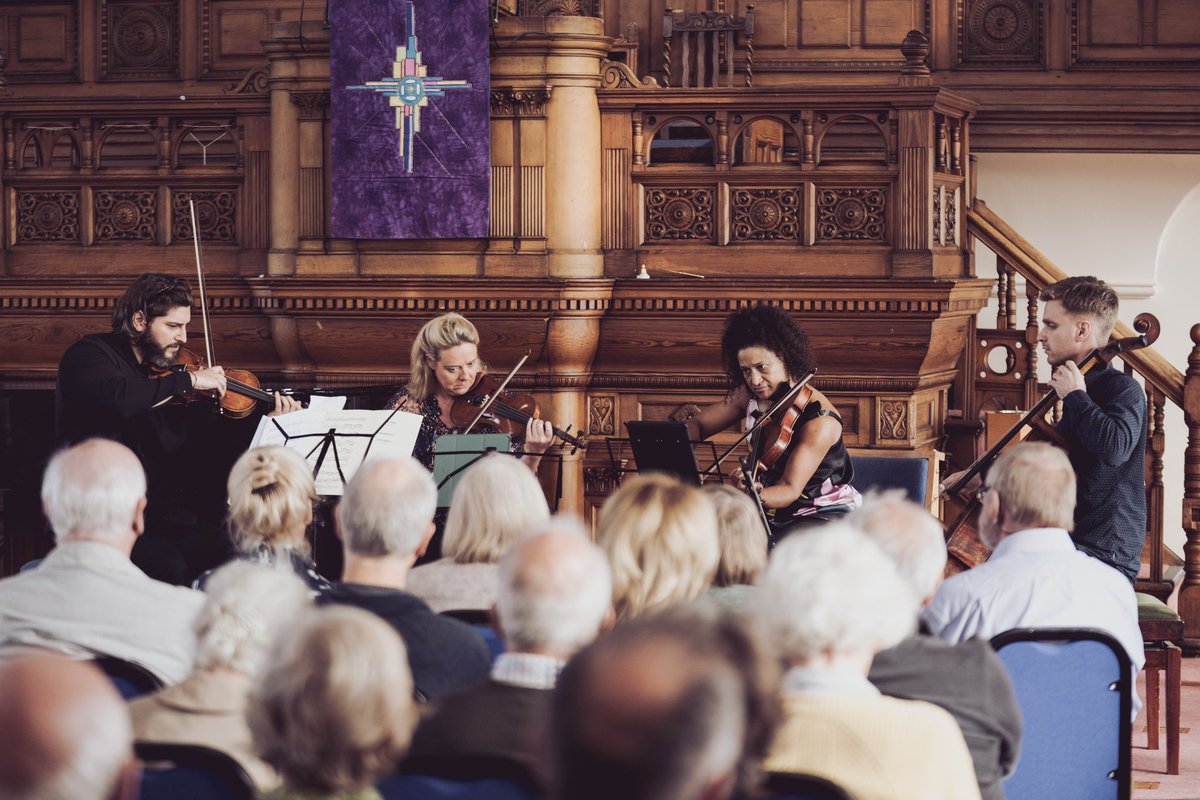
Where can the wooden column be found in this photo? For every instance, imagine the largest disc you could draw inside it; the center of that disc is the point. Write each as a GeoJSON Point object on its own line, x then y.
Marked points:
{"type": "Point", "coordinates": [1189, 593]}
{"type": "Point", "coordinates": [298, 66]}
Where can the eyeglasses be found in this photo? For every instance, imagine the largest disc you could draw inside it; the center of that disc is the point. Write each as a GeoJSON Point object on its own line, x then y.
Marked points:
{"type": "Point", "coordinates": [981, 492]}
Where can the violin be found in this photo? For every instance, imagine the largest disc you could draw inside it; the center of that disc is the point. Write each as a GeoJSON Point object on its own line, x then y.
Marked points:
{"type": "Point", "coordinates": [962, 536]}
{"type": "Point", "coordinates": [507, 413]}
{"type": "Point", "coordinates": [243, 391]}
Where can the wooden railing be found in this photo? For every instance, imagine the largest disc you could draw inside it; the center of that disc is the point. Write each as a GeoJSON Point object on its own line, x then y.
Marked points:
{"type": "Point", "coordinates": [1164, 384]}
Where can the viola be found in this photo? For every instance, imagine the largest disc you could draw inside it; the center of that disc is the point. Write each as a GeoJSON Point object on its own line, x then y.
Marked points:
{"type": "Point", "coordinates": [508, 413]}
{"type": "Point", "coordinates": [243, 391]}
{"type": "Point", "coordinates": [962, 536]}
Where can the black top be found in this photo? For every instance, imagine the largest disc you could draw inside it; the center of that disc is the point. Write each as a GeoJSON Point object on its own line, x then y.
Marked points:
{"type": "Point", "coordinates": [968, 680]}
{"type": "Point", "coordinates": [493, 719]}
{"type": "Point", "coordinates": [445, 655]}
{"type": "Point", "coordinates": [432, 426]}
{"type": "Point", "coordinates": [835, 467]}
{"type": "Point", "coordinates": [1105, 428]}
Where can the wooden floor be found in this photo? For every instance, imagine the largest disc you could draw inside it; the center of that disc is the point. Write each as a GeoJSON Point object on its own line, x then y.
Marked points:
{"type": "Point", "coordinates": [1150, 781]}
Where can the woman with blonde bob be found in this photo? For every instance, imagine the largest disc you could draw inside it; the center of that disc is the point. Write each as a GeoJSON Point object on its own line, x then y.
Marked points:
{"type": "Point", "coordinates": [743, 540]}
{"type": "Point", "coordinates": [497, 502]}
{"type": "Point", "coordinates": [332, 709]}
{"type": "Point", "coordinates": [444, 363]}
{"type": "Point", "coordinates": [271, 495]}
{"type": "Point", "coordinates": [661, 539]}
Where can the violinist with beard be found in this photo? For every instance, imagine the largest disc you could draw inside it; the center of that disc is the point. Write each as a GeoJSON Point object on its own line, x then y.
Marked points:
{"type": "Point", "coordinates": [765, 352]}
{"type": "Point", "coordinates": [121, 386]}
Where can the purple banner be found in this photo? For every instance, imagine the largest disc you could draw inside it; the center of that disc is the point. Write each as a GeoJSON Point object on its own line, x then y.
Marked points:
{"type": "Point", "coordinates": [411, 120]}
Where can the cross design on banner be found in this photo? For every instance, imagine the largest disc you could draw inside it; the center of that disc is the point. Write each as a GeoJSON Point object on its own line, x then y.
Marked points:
{"type": "Point", "coordinates": [409, 89]}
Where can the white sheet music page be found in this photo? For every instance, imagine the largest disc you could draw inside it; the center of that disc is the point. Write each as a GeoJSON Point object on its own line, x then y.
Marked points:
{"type": "Point", "coordinates": [339, 439]}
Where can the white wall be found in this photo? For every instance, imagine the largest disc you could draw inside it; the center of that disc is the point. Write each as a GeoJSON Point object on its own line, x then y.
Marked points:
{"type": "Point", "coordinates": [1132, 220]}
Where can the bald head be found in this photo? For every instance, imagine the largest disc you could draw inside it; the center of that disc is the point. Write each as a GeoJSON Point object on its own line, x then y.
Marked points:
{"type": "Point", "coordinates": [642, 714]}
{"type": "Point", "coordinates": [67, 732]}
{"type": "Point", "coordinates": [909, 534]}
{"type": "Point", "coordinates": [387, 508]}
{"type": "Point", "coordinates": [95, 490]}
{"type": "Point", "coordinates": [555, 593]}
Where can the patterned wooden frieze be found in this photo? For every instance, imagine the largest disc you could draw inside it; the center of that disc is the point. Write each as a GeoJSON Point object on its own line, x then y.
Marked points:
{"type": "Point", "coordinates": [999, 32]}
{"type": "Point", "coordinates": [767, 214]}
{"type": "Point", "coordinates": [216, 215]}
{"type": "Point", "coordinates": [48, 216]}
{"type": "Point", "coordinates": [852, 214]}
{"type": "Point", "coordinates": [126, 216]}
{"type": "Point", "coordinates": [679, 214]}
{"type": "Point", "coordinates": [938, 227]}
{"type": "Point", "coordinates": [139, 40]}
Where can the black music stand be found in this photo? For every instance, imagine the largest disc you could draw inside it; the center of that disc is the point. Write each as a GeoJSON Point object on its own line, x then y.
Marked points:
{"type": "Point", "coordinates": [665, 446]}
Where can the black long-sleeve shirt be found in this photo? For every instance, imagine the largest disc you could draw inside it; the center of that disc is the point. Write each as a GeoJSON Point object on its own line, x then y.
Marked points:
{"type": "Point", "coordinates": [1105, 428]}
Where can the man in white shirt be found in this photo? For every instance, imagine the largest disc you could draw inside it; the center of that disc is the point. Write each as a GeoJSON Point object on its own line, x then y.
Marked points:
{"type": "Point", "coordinates": [1035, 577]}
{"type": "Point", "coordinates": [86, 598]}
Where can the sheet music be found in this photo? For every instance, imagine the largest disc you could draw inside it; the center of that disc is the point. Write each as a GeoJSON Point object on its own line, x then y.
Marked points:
{"type": "Point", "coordinates": [305, 431]}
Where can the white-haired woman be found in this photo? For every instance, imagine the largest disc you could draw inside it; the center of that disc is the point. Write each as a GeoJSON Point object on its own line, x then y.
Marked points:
{"type": "Point", "coordinates": [497, 502]}
{"type": "Point", "coordinates": [332, 709]}
{"type": "Point", "coordinates": [444, 364]}
{"type": "Point", "coordinates": [271, 495]}
{"type": "Point", "coordinates": [831, 599]}
{"type": "Point", "coordinates": [661, 539]}
{"type": "Point", "coordinates": [246, 605]}
{"type": "Point", "coordinates": [743, 540]}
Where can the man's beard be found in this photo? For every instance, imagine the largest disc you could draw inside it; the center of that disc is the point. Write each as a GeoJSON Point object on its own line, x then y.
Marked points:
{"type": "Point", "coordinates": [152, 354]}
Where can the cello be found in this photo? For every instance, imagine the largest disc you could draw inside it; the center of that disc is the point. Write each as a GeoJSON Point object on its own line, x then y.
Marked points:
{"type": "Point", "coordinates": [962, 536]}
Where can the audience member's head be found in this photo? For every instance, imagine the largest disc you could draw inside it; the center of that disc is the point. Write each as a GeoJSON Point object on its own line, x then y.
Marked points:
{"type": "Point", "coordinates": [910, 535]}
{"type": "Point", "coordinates": [387, 509]}
{"type": "Point", "coordinates": [1031, 485]}
{"type": "Point", "coordinates": [331, 709]}
{"type": "Point", "coordinates": [661, 540]}
{"type": "Point", "coordinates": [741, 534]}
{"type": "Point", "coordinates": [271, 492]}
{"type": "Point", "coordinates": [555, 594]}
{"type": "Point", "coordinates": [67, 734]}
{"type": "Point", "coordinates": [95, 490]}
{"type": "Point", "coordinates": [245, 606]}
{"type": "Point", "coordinates": [830, 597]}
{"type": "Point", "coordinates": [497, 501]}
{"type": "Point", "coordinates": [652, 710]}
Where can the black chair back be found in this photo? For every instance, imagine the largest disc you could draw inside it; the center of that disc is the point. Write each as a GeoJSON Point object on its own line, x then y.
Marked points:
{"type": "Point", "coordinates": [796, 786]}
{"type": "Point", "coordinates": [132, 680]}
{"type": "Point", "coordinates": [191, 772]}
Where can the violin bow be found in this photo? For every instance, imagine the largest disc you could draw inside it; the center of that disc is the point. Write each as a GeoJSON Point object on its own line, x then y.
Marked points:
{"type": "Point", "coordinates": [783, 402]}
{"type": "Point", "coordinates": [483, 409]}
{"type": "Point", "coordinates": [758, 502]}
{"type": "Point", "coordinates": [200, 281]}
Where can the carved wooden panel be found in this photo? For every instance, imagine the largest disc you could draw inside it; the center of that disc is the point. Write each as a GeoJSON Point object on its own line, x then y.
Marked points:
{"type": "Point", "coordinates": [616, 231]}
{"type": "Point", "coordinates": [123, 216]}
{"type": "Point", "coordinates": [231, 31]}
{"type": "Point", "coordinates": [997, 33]}
{"type": "Point", "coordinates": [852, 214]}
{"type": "Point", "coordinates": [849, 30]}
{"type": "Point", "coordinates": [502, 203]}
{"type": "Point", "coordinates": [602, 415]}
{"type": "Point", "coordinates": [680, 214]}
{"type": "Point", "coordinates": [139, 40]}
{"type": "Point", "coordinates": [48, 216]}
{"type": "Point", "coordinates": [216, 215]}
{"type": "Point", "coordinates": [41, 41]}
{"type": "Point", "coordinates": [767, 214]}
{"type": "Point", "coordinates": [533, 201]}
{"type": "Point", "coordinates": [1134, 33]}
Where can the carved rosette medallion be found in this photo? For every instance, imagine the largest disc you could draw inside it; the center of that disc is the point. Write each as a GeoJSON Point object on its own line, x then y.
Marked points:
{"type": "Point", "coordinates": [1001, 30]}
{"type": "Point", "coordinates": [893, 419]}
{"type": "Point", "coordinates": [510, 102]}
{"type": "Point", "coordinates": [766, 214]}
{"type": "Point", "coordinates": [852, 214]}
{"type": "Point", "coordinates": [126, 216]}
{"type": "Point", "coordinates": [140, 39]}
{"type": "Point", "coordinates": [673, 214]}
{"type": "Point", "coordinates": [216, 216]}
{"type": "Point", "coordinates": [602, 419]}
{"type": "Point", "coordinates": [312, 105]}
{"type": "Point", "coordinates": [47, 216]}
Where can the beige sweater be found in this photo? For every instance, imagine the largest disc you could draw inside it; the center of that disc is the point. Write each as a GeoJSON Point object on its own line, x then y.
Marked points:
{"type": "Point", "coordinates": [875, 747]}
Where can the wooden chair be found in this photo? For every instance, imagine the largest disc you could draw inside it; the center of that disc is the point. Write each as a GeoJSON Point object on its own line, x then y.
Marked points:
{"type": "Point", "coordinates": [1162, 630]}
{"type": "Point", "coordinates": [706, 41]}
